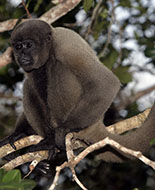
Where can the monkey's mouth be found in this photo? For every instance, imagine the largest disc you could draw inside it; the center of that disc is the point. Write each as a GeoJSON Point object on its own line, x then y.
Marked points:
{"type": "Point", "coordinates": [23, 62]}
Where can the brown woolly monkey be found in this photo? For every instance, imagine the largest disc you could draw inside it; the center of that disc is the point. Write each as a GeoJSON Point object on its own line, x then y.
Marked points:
{"type": "Point", "coordinates": [66, 89]}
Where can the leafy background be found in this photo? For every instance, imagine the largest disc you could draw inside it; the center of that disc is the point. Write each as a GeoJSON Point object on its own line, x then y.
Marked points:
{"type": "Point", "coordinates": [122, 35]}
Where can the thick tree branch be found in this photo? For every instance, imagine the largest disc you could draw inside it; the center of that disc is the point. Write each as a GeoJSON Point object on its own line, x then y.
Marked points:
{"type": "Point", "coordinates": [128, 124]}
{"type": "Point", "coordinates": [24, 142]}
{"type": "Point", "coordinates": [7, 25]}
{"type": "Point", "coordinates": [50, 16]}
{"type": "Point", "coordinates": [59, 10]}
{"type": "Point", "coordinates": [6, 57]}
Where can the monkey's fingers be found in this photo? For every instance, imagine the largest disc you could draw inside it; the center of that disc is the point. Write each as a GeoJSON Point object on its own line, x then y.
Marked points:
{"type": "Point", "coordinates": [13, 138]}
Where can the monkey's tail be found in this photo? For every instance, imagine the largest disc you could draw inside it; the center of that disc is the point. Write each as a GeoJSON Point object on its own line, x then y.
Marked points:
{"type": "Point", "coordinates": [138, 140]}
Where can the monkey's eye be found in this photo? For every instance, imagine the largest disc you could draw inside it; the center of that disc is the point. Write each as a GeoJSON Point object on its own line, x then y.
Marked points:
{"type": "Point", "coordinates": [18, 46]}
{"type": "Point", "coordinates": [28, 44]}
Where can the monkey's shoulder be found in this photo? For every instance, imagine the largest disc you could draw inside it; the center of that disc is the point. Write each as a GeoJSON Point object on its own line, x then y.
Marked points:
{"type": "Point", "coordinates": [71, 48]}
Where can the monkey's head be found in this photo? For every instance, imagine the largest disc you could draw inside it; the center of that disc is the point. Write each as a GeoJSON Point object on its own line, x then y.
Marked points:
{"type": "Point", "coordinates": [31, 42]}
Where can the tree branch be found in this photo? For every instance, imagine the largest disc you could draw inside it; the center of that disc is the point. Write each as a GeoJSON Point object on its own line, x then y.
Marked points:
{"type": "Point", "coordinates": [117, 128]}
{"type": "Point", "coordinates": [103, 52]}
{"type": "Point", "coordinates": [50, 16]}
{"type": "Point", "coordinates": [125, 100]}
{"type": "Point", "coordinates": [128, 124]}
{"type": "Point", "coordinates": [59, 10]}
{"type": "Point", "coordinates": [93, 18]}
{"type": "Point", "coordinates": [6, 58]}
{"type": "Point", "coordinates": [74, 160]}
{"type": "Point", "coordinates": [24, 142]}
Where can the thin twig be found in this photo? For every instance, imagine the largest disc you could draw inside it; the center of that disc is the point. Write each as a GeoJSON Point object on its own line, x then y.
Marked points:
{"type": "Point", "coordinates": [93, 18]}
{"type": "Point", "coordinates": [103, 52]}
{"type": "Point", "coordinates": [128, 100]}
{"type": "Point", "coordinates": [26, 9]}
{"type": "Point", "coordinates": [120, 39]}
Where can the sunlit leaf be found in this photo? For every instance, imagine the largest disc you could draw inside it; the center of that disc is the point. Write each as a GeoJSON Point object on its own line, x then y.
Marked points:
{"type": "Point", "coordinates": [110, 59]}
{"type": "Point", "coordinates": [87, 4]}
{"type": "Point", "coordinates": [122, 72]}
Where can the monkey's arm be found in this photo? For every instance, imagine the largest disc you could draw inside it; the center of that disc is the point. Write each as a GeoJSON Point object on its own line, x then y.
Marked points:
{"type": "Point", "coordinates": [99, 86]}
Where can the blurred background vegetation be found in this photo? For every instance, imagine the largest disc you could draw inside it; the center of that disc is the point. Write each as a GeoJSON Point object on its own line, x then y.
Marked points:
{"type": "Point", "coordinates": [122, 33]}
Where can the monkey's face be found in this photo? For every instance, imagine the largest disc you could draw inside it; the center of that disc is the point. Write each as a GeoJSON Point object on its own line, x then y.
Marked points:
{"type": "Point", "coordinates": [24, 52]}
{"type": "Point", "coordinates": [31, 44]}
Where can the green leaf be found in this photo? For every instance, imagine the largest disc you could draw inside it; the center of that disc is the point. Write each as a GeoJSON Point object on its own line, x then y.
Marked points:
{"type": "Point", "coordinates": [13, 175]}
{"type": "Point", "coordinates": [27, 4]}
{"type": "Point", "coordinates": [104, 13]}
{"type": "Point", "coordinates": [152, 142]}
{"type": "Point", "coordinates": [125, 3]}
{"type": "Point", "coordinates": [11, 186]}
{"type": "Point", "coordinates": [122, 72]}
{"type": "Point", "coordinates": [150, 53]}
{"type": "Point", "coordinates": [37, 5]}
{"type": "Point", "coordinates": [110, 59]}
{"type": "Point", "coordinates": [2, 173]}
{"type": "Point", "coordinates": [28, 184]}
{"type": "Point", "coordinates": [87, 4]}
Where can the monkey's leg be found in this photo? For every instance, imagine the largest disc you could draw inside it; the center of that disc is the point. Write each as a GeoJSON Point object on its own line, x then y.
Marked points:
{"type": "Point", "coordinates": [22, 129]}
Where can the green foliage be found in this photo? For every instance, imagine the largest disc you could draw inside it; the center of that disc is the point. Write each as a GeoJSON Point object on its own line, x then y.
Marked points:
{"type": "Point", "coordinates": [37, 5]}
{"type": "Point", "coordinates": [12, 180]}
{"type": "Point", "coordinates": [110, 59]}
{"type": "Point", "coordinates": [126, 3]}
{"type": "Point", "coordinates": [87, 4]}
{"type": "Point", "coordinates": [122, 72]}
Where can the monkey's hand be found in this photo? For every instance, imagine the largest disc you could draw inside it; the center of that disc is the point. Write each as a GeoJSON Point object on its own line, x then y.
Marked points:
{"type": "Point", "coordinates": [11, 139]}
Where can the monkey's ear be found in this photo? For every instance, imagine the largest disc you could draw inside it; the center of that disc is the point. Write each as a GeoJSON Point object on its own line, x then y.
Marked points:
{"type": "Point", "coordinates": [49, 37]}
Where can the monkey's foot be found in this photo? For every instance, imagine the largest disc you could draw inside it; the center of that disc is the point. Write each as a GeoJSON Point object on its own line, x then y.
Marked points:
{"type": "Point", "coordinates": [45, 144]}
{"type": "Point", "coordinates": [43, 167]}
